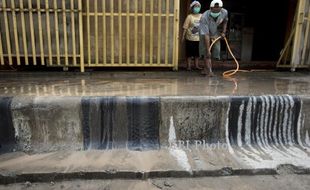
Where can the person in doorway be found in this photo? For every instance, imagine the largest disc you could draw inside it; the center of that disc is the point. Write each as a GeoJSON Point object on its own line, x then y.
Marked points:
{"type": "Point", "coordinates": [191, 35]}
{"type": "Point", "coordinates": [213, 24]}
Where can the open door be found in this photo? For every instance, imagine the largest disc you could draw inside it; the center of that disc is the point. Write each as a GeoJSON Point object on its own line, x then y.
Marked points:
{"type": "Point", "coordinates": [301, 49]}
{"type": "Point", "coordinates": [298, 43]}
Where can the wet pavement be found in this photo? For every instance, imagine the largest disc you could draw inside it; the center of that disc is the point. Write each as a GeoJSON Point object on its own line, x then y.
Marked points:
{"type": "Point", "coordinates": [53, 128]}
{"type": "Point", "coordinates": [159, 83]}
{"type": "Point", "coordinates": [283, 182]}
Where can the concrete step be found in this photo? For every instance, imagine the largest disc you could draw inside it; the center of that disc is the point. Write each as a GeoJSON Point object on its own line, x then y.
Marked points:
{"type": "Point", "coordinates": [46, 124]}
{"type": "Point", "coordinates": [142, 137]}
{"type": "Point", "coordinates": [258, 182]}
{"type": "Point", "coordinates": [126, 164]}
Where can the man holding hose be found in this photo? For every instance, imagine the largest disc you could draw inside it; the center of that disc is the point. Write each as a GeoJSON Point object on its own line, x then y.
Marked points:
{"type": "Point", "coordinates": [211, 23]}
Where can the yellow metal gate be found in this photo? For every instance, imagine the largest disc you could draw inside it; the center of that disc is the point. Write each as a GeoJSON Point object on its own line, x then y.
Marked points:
{"type": "Point", "coordinates": [89, 33]}
{"type": "Point", "coordinates": [41, 32]}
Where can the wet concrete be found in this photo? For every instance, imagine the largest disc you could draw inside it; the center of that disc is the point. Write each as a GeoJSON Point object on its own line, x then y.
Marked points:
{"type": "Point", "coordinates": [53, 123]}
{"type": "Point", "coordinates": [125, 164]}
{"type": "Point", "coordinates": [253, 123]}
{"type": "Point", "coordinates": [158, 83]}
{"type": "Point", "coordinates": [194, 118]}
{"type": "Point", "coordinates": [7, 141]}
{"type": "Point", "coordinates": [47, 124]}
{"type": "Point", "coordinates": [120, 122]}
{"type": "Point", "coordinates": [284, 182]}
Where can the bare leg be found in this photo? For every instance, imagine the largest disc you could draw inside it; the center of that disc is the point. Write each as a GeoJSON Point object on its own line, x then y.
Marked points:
{"type": "Point", "coordinates": [189, 60]}
{"type": "Point", "coordinates": [197, 63]}
{"type": "Point", "coordinates": [208, 67]}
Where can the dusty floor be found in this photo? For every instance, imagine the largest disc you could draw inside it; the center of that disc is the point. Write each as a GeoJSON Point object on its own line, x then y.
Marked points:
{"type": "Point", "coordinates": [159, 83]}
{"type": "Point", "coordinates": [283, 182]}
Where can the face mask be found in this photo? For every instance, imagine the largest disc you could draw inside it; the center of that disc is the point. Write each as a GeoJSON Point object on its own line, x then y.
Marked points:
{"type": "Point", "coordinates": [196, 10]}
{"type": "Point", "coordinates": [214, 15]}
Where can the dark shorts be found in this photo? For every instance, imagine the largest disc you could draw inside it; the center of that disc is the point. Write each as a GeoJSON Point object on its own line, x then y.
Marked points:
{"type": "Point", "coordinates": [192, 48]}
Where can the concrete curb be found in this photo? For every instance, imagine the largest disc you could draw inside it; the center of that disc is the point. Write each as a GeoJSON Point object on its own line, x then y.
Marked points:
{"type": "Point", "coordinates": [140, 175]}
{"type": "Point", "coordinates": [75, 123]}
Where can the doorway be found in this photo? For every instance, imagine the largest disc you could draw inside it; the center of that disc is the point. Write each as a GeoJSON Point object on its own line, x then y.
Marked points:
{"type": "Point", "coordinates": [263, 31]}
